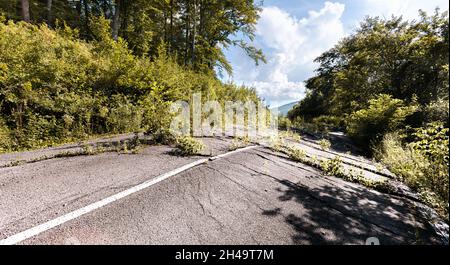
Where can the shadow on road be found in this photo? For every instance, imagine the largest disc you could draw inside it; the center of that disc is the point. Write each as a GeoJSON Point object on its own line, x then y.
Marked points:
{"type": "Point", "coordinates": [334, 215]}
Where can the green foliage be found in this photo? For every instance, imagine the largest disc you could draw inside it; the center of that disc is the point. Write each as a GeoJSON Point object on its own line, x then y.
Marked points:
{"type": "Point", "coordinates": [53, 86]}
{"type": "Point", "coordinates": [324, 144]}
{"type": "Point", "coordinates": [437, 111]}
{"type": "Point", "coordinates": [407, 60]}
{"type": "Point", "coordinates": [327, 122]}
{"type": "Point", "coordinates": [56, 88]}
{"type": "Point", "coordinates": [422, 164]}
{"type": "Point", "coordinates": [239, 142]}
{"type": "Point", "coordinates": [5, 140]}
{"type": "Point", "coordinates": [297, 154]}
{"type": "Point", "coordinates": [389, 76]}
{"type": "Point", "coordinates": [318, 125]}
{"type": "Point", "coordinates": [432, 141]}
{"type": "Point", "coordinates": [383, 114]}
{"type": "Point", "coordinates": [122, 115]}
{"type": "Point", "coordinates": [332, 167]}
{"type": "Point", "coordinates": [196, 32]}
{"type": "Point", "coordinates": [187, 146]}
{"type": "Point", "coordinates": [284, 123]}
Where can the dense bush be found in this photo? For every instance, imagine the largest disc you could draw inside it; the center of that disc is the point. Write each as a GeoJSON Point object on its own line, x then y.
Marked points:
{"type": "Point", "coordinates": [382, 115]}
{"type": "Point", "coordinates": [56, 88]}
{"type": "Point", "coordinates": [188, 146]}
{"type": "Point", "coordinates": [437, 111]}
{"type": "Point", "coordinates": [5, 140]}
{"type": "Point", "coordinates": [284, 123]}
{"type": "Point", "coordinates": [423, 164]}
{"type": "Point", "coordinates": [324, 144]}
{"type": "Point", "coordinates": [404, 60]}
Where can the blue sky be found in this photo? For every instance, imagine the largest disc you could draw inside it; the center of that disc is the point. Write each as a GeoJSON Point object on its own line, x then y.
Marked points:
{"type": "Point", "coordinates": [294, 32]}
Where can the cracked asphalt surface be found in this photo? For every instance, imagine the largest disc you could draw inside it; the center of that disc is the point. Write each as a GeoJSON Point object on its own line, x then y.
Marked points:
{"type": "Point", "coordinates": [253, 197]}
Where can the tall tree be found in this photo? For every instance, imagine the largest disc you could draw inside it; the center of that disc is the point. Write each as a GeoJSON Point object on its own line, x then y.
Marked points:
{"type": "Point", "coordinates": [407, 60]}
{"type": "Point", "coordinates": [196, 32]}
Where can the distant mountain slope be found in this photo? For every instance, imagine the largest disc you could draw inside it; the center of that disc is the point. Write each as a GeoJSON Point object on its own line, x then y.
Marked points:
{"type": "Point", "coordinates": [283, 110]}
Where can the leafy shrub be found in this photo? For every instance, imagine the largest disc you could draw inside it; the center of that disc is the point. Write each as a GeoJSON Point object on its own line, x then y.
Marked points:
{"type": "Point", "coordinates": [284, 123]}
{"type": "Point", "coordinates": [383, 114]}
{"type": "Point", "coordinates": [327, 123]}
{"type": "Point", "coordinates": [5, 140]}
{"type": "Point", "coordinates": [432, 141]}
{"type": "Point", "coordinates": [188, 146]}
{"type": "Point", "coordinates": [156, 117]}
{"type": "Point", "coordinates": [423, 164]}
{"type": "Point", "coordinates": [324, 144]}
{"type": "Point", "coordinates": [437, 111]}
{"type": "Point", "coordinates": [297, 154]}
{"type": "Point", "coordinates": [319, 125]}
{"type": "Point", "coordinates": [332, 166]}
{"type": "Point", "coordinates": [122, 115]}
{"type": "Point", "coordinates": [239, 142]}
{"type": "Point", "coordinates": [291, 135]}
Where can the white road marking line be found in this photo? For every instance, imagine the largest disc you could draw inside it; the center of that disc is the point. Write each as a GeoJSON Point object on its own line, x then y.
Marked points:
{"type": "Point", "coordinates": [17, 238]}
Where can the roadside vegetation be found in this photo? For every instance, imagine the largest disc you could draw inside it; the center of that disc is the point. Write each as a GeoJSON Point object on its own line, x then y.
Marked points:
{"type": "Point", "coordinates": [387, 87]}
{"type": "Point", "coordinates": [187, 146]}
{"type": "Point", "coordinates": [77, 69]}
{"type": "Point", "coordinates": [324, 144]}
{"type": "Point", "coordinates": [333, 167]}
{"type": "Point", "coordinates": [74, 72]}
{"type": "Point", "coordinates": [239, 142]}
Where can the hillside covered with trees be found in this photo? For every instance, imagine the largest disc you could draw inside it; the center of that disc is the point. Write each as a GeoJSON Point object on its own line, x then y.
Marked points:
{"type": "Point", "coordinates": [387, 86]}
{"type": "Point", "coordinates": [74, 69]}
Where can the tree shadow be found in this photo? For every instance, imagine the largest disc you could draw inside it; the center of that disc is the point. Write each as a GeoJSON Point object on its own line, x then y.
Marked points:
{"type": "Point", "coordinates": [350, 215]}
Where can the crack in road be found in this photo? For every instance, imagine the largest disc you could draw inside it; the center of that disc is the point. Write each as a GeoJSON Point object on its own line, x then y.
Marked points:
{"type": "Point", "coordinates": [343, 212]}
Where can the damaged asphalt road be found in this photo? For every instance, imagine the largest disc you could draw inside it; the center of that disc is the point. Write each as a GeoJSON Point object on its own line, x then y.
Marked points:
{"type": "Point", "coordinates": [252, 197]}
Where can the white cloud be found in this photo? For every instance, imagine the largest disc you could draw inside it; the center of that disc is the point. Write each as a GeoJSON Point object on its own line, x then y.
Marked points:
{"type": "Point", "coordinates": [290, 44]}
{"type": "Point", "coordinates": [407, 8]}
{"type": "Point", "coordinates": [279, 93]}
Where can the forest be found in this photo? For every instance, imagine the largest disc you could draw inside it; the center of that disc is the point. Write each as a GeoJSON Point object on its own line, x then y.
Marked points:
{"type": "Point", "coordinates": [70, 70]}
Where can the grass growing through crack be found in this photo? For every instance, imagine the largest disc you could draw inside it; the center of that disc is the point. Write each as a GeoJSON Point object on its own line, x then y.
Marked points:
{"type": "Point", "coordinates": [186, 146]}
{"type": "Point", "coordinates": [239, 142]}
{"type": "Point", "coordinates": [133, 146]}
{"type": "Point", "coordinates": [334, 167]}
{"type": "Point", "coordinates": [324, 144]}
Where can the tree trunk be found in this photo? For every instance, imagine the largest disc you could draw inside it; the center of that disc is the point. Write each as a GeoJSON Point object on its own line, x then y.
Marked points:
{"type": "Point", "coordinates": [171, 26]}
{"type": "Point", "coordinates": [188, 20]}
{"type": "Point", "coordinates": [25, 10]}
{"type": "Point", "coordinates": [78, 8]}
{"type": "Point", "coordinates": [116, 21]}
{"type": "Point", "coordinates": [49, 13]}
{"type": "Point", "coordinates": [165, 23]}
{"type": "Point", "coordinates": [124, 18]}
{"type": "Point", "coordinates": [86, 14]}
{"type": "Point", "coordinates": [194, 31]}
{"type": "Point", "coordinates": [202, 18]}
